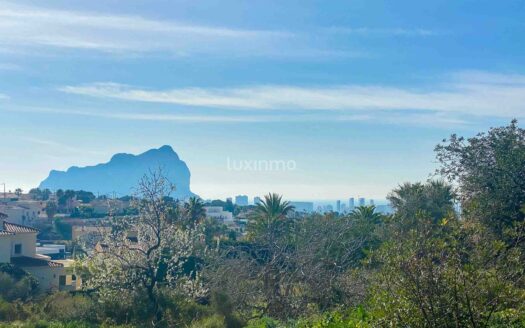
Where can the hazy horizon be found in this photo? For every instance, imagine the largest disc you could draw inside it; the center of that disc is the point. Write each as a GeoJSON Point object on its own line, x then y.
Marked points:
{"type": "Point", "coordinates": [355, 94]}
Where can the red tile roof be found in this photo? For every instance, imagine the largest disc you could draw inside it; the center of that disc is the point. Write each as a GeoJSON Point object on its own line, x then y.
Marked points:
{"type": "Point", "coordinates": [17, 228]}
{"type": "Point", "coordinates": [5, 233]}
{"type": "Point", "coordinates": [24, 261]}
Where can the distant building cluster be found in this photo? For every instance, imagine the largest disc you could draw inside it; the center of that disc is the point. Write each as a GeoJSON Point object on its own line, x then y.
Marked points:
{"type": "Point", "coordinates": [303, 207]}
{"type": "Point", "coordinates": [338, 206]}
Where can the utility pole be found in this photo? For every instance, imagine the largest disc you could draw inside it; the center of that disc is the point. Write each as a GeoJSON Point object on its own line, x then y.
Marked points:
{"type": "Point", "coordinates": [4, 192]}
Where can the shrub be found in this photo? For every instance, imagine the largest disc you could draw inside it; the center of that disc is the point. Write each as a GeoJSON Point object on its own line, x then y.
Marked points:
{"type": "Point", "coordinates": [14, 285]}
{"type": "Point", "coordinates": [64, 307]}
{"type": "Point", "coordinates": [265, 322]}
{"type": "Point", "coordinates": [215, 321]}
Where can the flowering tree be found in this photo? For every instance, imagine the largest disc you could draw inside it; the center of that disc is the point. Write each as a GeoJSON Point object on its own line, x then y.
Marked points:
{"type": "Point", "coordinates": [147, 251]}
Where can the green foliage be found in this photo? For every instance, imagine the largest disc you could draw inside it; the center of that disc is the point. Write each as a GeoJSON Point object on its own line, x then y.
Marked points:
{"type": "Point", "coordinates": [64, 307]}
{"type": "Point", "coordinates": [270, 218]}
{"type": "Point", "coordinates": [215, 230]}
{"type": "Point", "coordinates": [14, 271]}
{"type": "Point", "coordinates": [223, 307]}
{"type": "Point", "coordinates": [354, 318]}
{"type": "Point", "coordinates": [39, 194]}
{"type": "Point", "coordinates": [85, 212]}
{"type": "Point", "coordinates": [64, 229]}
{"type": "Point", "coordinates": [264, 322]}
{"type": "Point", "coordinates": [194, 212]}
{"type": "Point", "coordinates": [489, 170]}
{"type": "Point", "coordinates": [51, 209]}
{"type": "Point", "coordinates": [444, 275]}
{"type": "Point", "coordinates": [366, 214]}
{"type": "Point", "coordinates": [434, 199]}
{"type": "Point", "coordinates": [215, 321]}
{"type": "Point", "coordinates": [16, 284]}
{"type": "Point", "coordinates": [84, 196]}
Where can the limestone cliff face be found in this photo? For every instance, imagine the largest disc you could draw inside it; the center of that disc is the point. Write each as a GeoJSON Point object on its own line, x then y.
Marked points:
{"type": "Point", "coordinates": [122, 173]}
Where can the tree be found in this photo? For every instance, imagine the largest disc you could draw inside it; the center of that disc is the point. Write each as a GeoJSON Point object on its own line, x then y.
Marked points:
{"type": "Point", "coordinates": [39, 194]}
{"type": "Point", "coordinates": [253, 273]}
{"type": "Point", "coordinates": [65, 199]}
{"type": "Point", "coordinates": [18, 192]}
{"type": "Point", "coordinates": [366, 213]}
{"type": "Point", "coordinates": [154, 259]}
{"type": "Point", "coordinates": [194, 210]}
{"type": "Point", "coordinates": [268, 222]}
{"type": "Point", "coordinates": [288, 267]}
{"type": "Point", "coordinates": [84, 196]}
{"type": "Point", "coordinates": [488, 170]}
{"type": "Point", "coordinates": [445, 275]}
{"type": "Point", "coordinates": [45, 194]}
{"type": "Point", "coordinates": [51, 209]}
{"type": "Point", "coordinates": [307, 265]}
{"type": "Point", "coordinates": [270, 218]}
{"type": "Point", "coordinates": [59, 193]}
{"type": "Point", "coordinates": [35, 193]}
{"type": "Point", "coordinates": [434, 198]}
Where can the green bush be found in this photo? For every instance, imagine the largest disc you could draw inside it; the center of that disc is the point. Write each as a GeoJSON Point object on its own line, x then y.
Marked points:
{"type": "Point", "coordinates": [265, 322]}
{"type": "Point", "coordinates": [64, 307]}
{"type": "Point", "coordinates": [215, 321]}
{"type": "Point", "coordinates": [15, 286]}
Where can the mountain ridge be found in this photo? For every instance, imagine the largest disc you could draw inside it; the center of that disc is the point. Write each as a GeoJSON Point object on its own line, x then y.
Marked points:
{"type": "Point", "coordinates": [122, 173]}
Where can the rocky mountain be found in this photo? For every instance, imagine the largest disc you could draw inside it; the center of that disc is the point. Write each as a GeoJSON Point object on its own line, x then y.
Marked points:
{"type": "Point", "coordinates": [122, 173]}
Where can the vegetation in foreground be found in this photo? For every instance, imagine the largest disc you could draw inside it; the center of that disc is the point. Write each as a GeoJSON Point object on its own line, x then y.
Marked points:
{"type": "Point", "coordinates": [429, 265]}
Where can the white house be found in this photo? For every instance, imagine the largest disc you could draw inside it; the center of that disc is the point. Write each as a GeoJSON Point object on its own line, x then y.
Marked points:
{"type": "Point", "coordinates": [217, 212]}
{"type": "Point", "coordinates": [23, 212]}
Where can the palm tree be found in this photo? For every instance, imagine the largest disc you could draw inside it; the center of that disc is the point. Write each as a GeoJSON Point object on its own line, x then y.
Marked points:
{"type": "Point", "coordinates": [270, 214]}
{"type": "Point", "coordinates": [194, 210]}
{"type": "Point", "coordinates": [435, 198]}
{"type": "Point", "coordinates": [366, 213]}
{"type": "Point", "coordinates": [269, 224]}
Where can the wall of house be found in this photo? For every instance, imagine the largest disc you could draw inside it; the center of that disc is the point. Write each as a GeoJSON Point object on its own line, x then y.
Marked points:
{"type": "Point", "coordinates": [48, 277]}
{"type": "Point", "coordinates": [23, 212]}
{"type": "Point", "coordinates": [5, 249]}
{"type": "Point", "coordinates": [14, 214]}
{"type": "Point", "coordinates": [28, 241]}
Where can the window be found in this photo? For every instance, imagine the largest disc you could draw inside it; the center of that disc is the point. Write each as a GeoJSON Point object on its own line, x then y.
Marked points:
{"type": "Point", "coordinates": [18, 248]}
{"type": "Point", "coordinates": [62, 280]}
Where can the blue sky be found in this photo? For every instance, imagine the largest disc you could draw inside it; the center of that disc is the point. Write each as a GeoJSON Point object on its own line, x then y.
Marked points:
{"type": "Point", "coordinates": [357, 93]}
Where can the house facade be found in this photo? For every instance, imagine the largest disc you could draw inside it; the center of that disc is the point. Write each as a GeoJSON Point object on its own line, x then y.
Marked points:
{"type": "Point", "coordinates": [18, 247]}
{"type": "Point", "coordinates": [25, 213]}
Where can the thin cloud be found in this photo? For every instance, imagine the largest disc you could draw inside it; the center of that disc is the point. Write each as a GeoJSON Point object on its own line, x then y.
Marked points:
{"type": "Point", "coordinates": [384, 32]}
{"type": "Point", "coordinates": [378, 117]}
{"type": "Point", "coordinates": [466, 94]}
{"type": "Point", "coordinates": [4, 96]}
{"type": "Point", "coordinates": [28, 26]}
{"type": "Point", "coordinates": [160, 117]}
{"type": "Point", "coordinates": [24, 27]}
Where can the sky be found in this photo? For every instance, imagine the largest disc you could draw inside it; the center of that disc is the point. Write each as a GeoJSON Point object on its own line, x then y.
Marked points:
{"type": "Point", "coordinates": [351, 95]}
